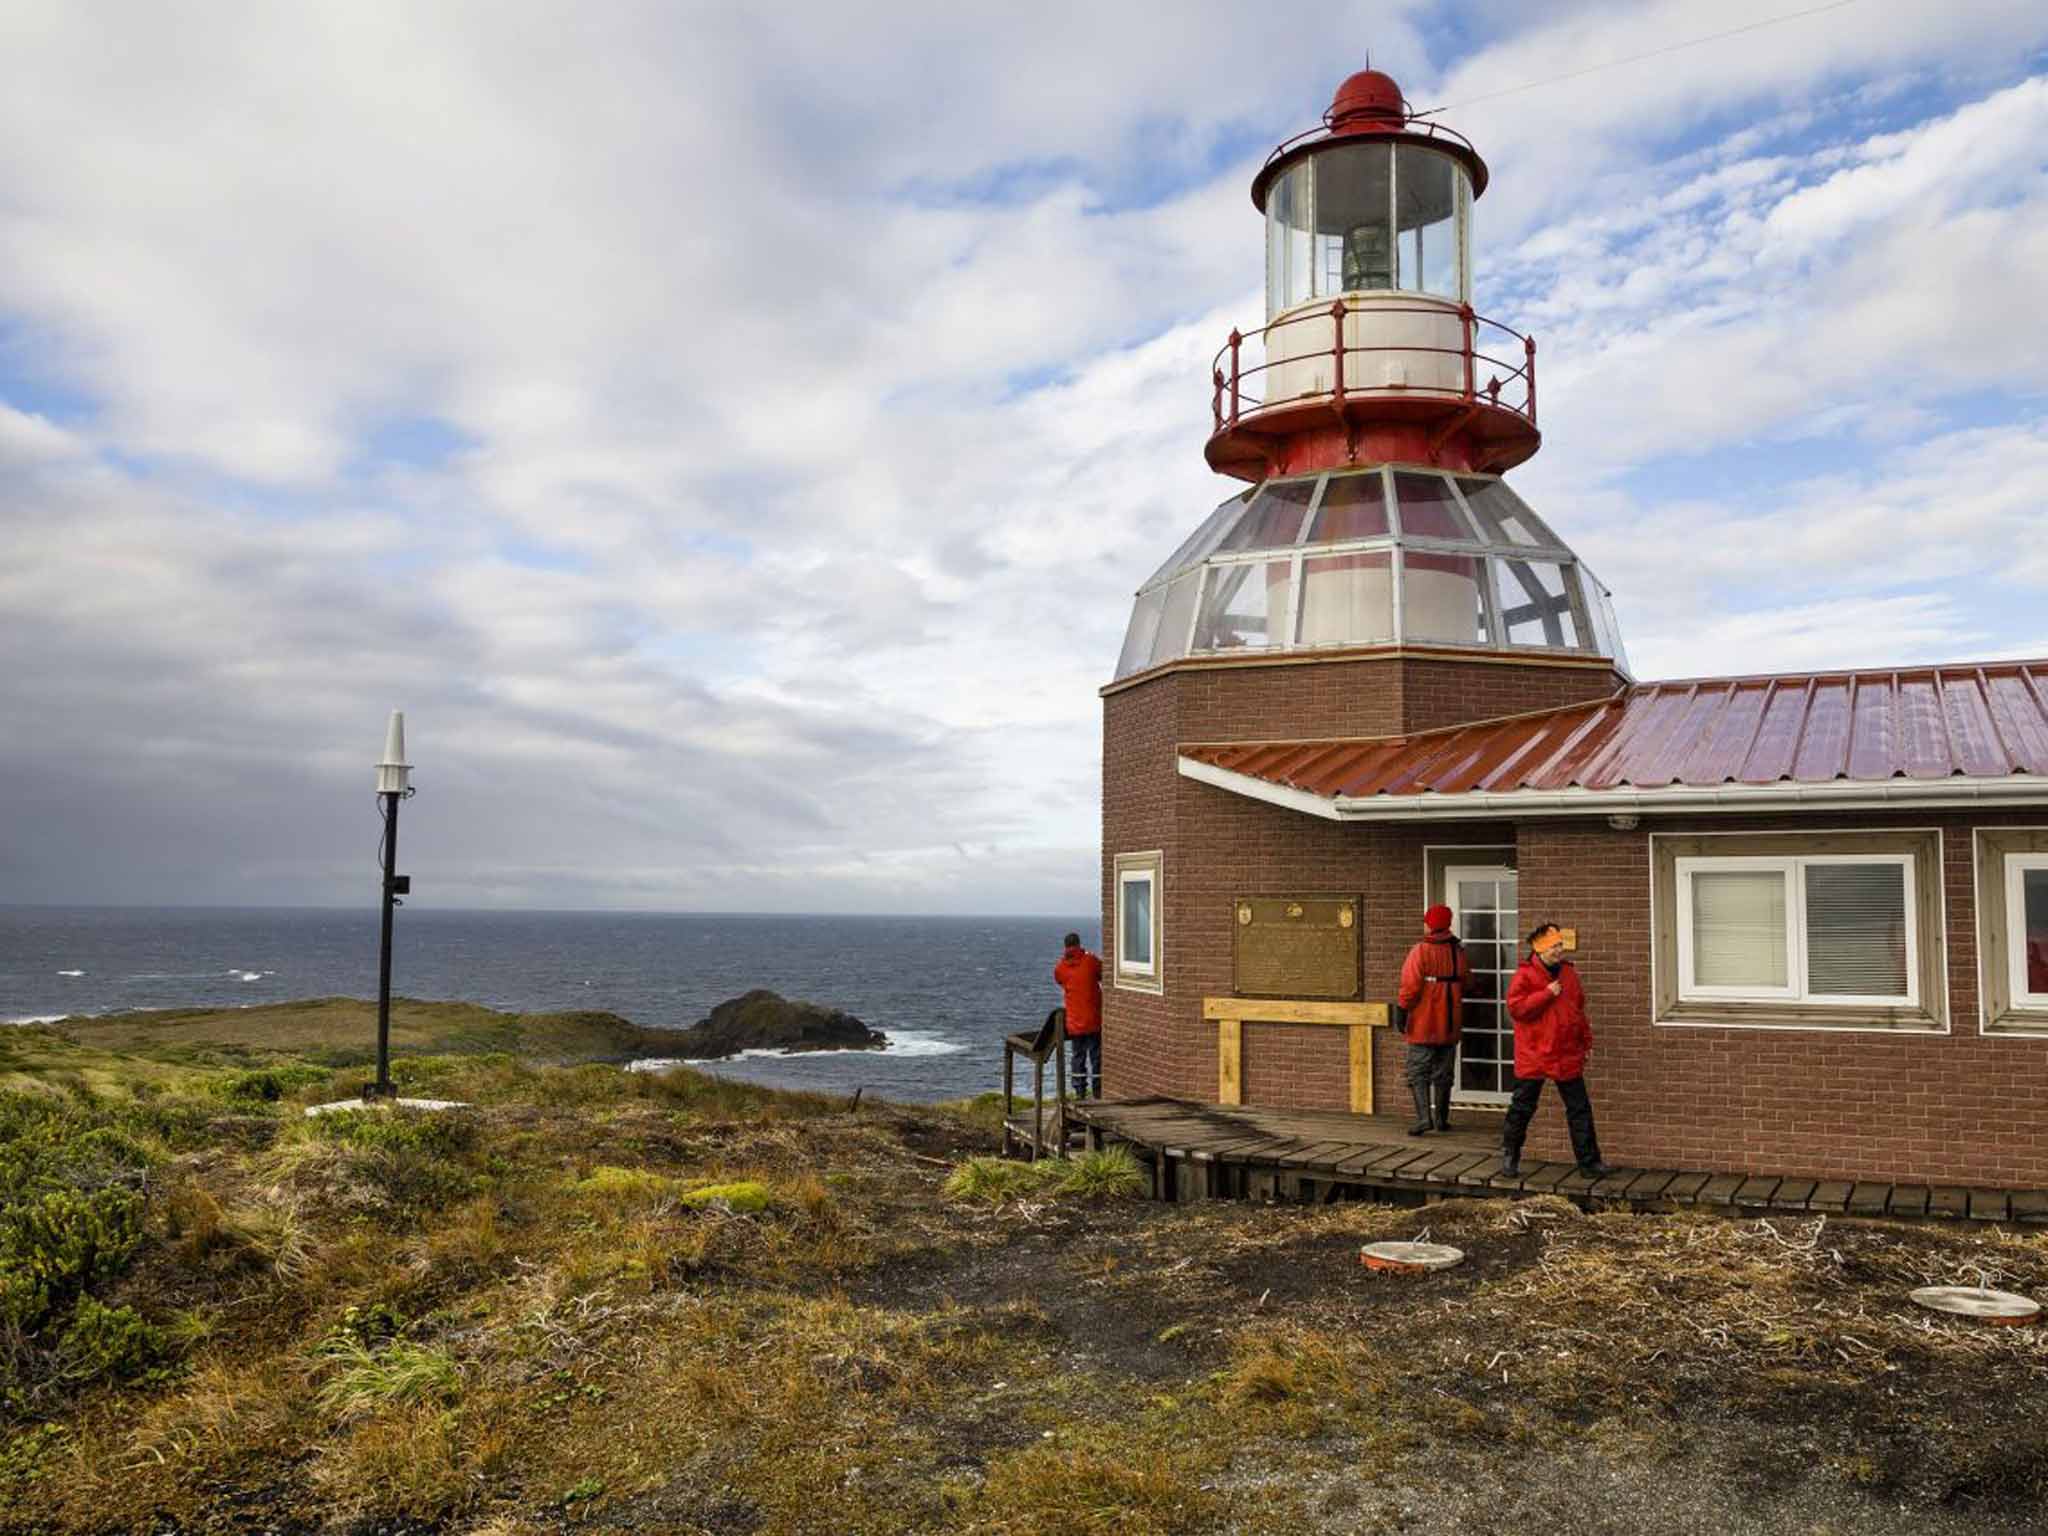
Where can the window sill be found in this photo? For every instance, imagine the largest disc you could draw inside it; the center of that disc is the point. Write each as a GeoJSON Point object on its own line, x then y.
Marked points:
{"type": "Point", "coordinates": [1722, 1015]}
{"type": "Point", "coordinates": [1149, 984]}
{"type": "Point", "coordinates": [2019, 1023]}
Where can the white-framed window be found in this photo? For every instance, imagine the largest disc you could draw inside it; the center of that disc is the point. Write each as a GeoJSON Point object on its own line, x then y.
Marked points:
{"type": "Point", "coordinates": [1797, 929]}
{"type": "Point", "coordinates": [2012, 929]}
{"type": "Point", "coordinates": [1140, 889]}
{"type": "Point", "coordinates": [2026, 922]}
{"type": "Point", "coordinates": [1828, 929]}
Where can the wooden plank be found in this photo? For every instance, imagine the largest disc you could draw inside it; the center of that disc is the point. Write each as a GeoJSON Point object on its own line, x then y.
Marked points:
{"type": "Point", "coordinates": [1869, 1199]}
{"type": "Point", "coordinates": [1990, 1205]}
{"type": "Point", "coordinates": [2030, 1205]}
{"type": "Point", "coordinates": [1380, 1161]}
{"type": "Point", "coordinates": [1466, 1163]}
{"type": "Point", "coordinates": [1268, 1010]}
{"type": "Point", "coordinates": [1544, 1178]}
{"type": "Point", "coordinates": [1247, 1153]}
{"type": "Point", "coordinates": [1686, 1187]}
{"type": "Point", "coordinates": [1577, 1182]}
{"type": "Point", "coordinates": [1317, 1154]}
{"type": "Point", "coordinates": [1793, 1194]}
{"type": "Point", "coordinates": [1908, 1200]}
{"type": "Point", "coordinates": [1229, 1061]}
{"type": "Point", "coordinates": [1424, 1168]}
{"type": "Point", "coordinates": [1947, 1200]}
{"type": "Point", "coordinates": [1485, 1172]}
{"type": "Point", "coordinates": [1720, 1189]}
{"type": "Point", "coordinates": [1218, 1151]}
{"type": "Point", "coordinates": [1757, 1191]}
{"type": "Point", "coordinates": [1616, 1182]}
{"type": "Point", "coordinates": [1649, 1184]}
{"type": "Point", "coordinates": [1361, 1068]}
{"type": "Point", "coordinates": [1830, 1195]}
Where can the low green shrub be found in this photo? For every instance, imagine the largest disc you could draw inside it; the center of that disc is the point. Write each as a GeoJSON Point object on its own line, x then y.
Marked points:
{"type": "Point", "coordinates": [363, 1378]}
{"type": "Point", "coordinates": [435, 1132]}
{"type": "Point", "coordinates": [267, 1085]}
{"type": "Point", "coordinates": [53, 1246]}
{"type": "Point", "coordinates": [743, 1197]}
{"type": "Point", "coordinates": [996, 1179]}
{"type": "Point", "coordinates": [104, 1341]}
{"type": "Point", "coordinates": [1111, 1174]}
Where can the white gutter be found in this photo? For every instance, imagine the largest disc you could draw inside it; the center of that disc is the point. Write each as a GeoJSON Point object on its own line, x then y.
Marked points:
{"type": "Point", "coordinates": [1955, 793]}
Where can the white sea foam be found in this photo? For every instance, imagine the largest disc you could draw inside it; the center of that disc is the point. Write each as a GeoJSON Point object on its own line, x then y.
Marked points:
{"type": "Point", "coordinates": [911, 1042]}
{"type": "Point", "coordinates": [35, 1018]}
{"type": "Point", "coordinates": [249, 975]}
{"type": "Point", "coordinates": [71, 973]}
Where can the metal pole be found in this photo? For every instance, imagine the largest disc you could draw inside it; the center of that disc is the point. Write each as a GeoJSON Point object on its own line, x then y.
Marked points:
{"type": "Point", "coordinates": [382, 1089]}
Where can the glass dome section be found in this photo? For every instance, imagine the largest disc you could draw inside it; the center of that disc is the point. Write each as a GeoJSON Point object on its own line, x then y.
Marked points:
{"type": "Point", "coordinates": [1383, 556]}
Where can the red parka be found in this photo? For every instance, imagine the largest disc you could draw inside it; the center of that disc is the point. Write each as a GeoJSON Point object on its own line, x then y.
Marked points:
{"type": "Point", "coordinates": [1552, 1036]}
{"type": "Point", "coordinates": [1080, 977]}
{"type": "Point", "coordinates": [1435, 1009]}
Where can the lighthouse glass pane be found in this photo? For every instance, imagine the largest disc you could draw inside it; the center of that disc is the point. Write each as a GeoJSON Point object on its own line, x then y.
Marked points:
{"type": "Point", "coordinates": [1427, 510]}
{"type": "Point", "coordinates": [1273, 521]}
{"type": "Point", "coordinates": [1144, 630]}
{"type": "Point", "coordinates": [1288, 268]}
{"type": "Point", "coordinates": [1174, 619]}
{"type": "Point", "coordinates": [1246, 606]}
{"type": "Point", "coordinates": [1535, 603]}
{"type": "Point", "coordinates": [1354, 248]}
{"type": "Point", "coordinates": [1426, 221]}
{"type": "Point", "coordinates": [1442, 598]}
{"type": "Point", "coordinates": [1347, 599]}
{"type": "Point", "coordinates": [1502, 516]}
{"type": "Point", "coordinates": [1202, 540]}
{"type": "Point", "coordinates": [1354, 507]}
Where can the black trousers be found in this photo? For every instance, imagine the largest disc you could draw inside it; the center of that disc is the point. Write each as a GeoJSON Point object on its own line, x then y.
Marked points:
{"type": "Point", "coordinates": [1084, 1076]}
{"type": "Point", "coordinates": [1578, 1117]}
{"type": "Point", "coordinates": [1431, 1065]}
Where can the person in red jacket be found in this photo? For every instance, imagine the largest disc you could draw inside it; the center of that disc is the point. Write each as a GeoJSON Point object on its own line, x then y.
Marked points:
{"type": "Point", "coordinates": [1080, 977]}
{"type": "Point", "coordinates": [1552, 1038]}
{"type": "Point", "coordinates": [1432, 995]}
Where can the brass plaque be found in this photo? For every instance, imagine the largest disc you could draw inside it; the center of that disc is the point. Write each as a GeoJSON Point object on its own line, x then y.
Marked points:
{"type": "Point", "coordinates": [1297, 946]}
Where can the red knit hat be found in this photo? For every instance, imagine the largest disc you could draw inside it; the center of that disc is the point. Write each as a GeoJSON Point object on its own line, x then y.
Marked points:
{"type": "Point", "coordinates": [1438, 916]}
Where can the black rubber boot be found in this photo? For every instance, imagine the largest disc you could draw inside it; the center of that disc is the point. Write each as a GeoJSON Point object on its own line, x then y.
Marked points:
{"type": "Point", "coordinates": [1420, 1093]}
{"type": "Point", "coordinates": [1511, 1162]}
{"type": "Point", "coordinates": [1443, 1106]}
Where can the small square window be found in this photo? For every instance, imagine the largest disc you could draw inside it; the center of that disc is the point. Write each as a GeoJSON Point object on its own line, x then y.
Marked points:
{"type": "Point", "coordinates": [1139, 893]}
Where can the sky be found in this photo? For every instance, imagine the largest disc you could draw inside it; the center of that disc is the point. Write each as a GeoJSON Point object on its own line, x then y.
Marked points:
{"type": "Point", "coordinates": [733, 434]}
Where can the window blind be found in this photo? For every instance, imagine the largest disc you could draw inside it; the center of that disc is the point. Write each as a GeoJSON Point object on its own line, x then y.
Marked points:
{"type": "Point", "coordinates": [1855, 930]}
{"type": "Point", "coordinates": [1738, 928]}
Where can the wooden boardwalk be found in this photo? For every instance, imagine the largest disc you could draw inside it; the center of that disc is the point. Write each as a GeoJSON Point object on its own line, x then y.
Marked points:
{"type": "Point", "coordinates": [1210, 1151]}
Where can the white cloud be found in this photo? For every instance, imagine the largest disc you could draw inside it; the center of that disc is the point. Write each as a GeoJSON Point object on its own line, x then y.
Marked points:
{"type": "Point", "coordinates": [816, 394]}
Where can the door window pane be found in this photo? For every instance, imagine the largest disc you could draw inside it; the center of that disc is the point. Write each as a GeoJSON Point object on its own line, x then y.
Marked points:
{"type": "Point", "coordinates": [1856, 930]}
{"type": "Point", "coordinates": [1246, 605]}
{"type": "Point", "coordinates": [1738, 929]}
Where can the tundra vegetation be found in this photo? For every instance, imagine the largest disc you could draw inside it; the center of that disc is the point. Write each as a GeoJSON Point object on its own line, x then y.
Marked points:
{"type": "Point", "coordinates": [606, 1300]}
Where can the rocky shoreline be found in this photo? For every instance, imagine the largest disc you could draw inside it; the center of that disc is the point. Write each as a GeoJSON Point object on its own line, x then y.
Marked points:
{"type": "Point", "coordinates": [762, 1020]}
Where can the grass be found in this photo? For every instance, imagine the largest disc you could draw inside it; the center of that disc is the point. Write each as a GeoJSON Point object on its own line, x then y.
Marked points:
{"type": "Point", "coordinates": [672, 1302]}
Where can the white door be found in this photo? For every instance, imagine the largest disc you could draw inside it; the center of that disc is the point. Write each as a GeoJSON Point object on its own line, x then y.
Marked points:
{"type": "Point", "coordinates": [1483, 903]}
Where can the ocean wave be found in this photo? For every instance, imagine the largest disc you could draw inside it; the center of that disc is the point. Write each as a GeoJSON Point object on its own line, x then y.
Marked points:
{"type": "Point", "coordinates": [71, 973]}
{"type": "Point", "coordinates": [913, 1042]}
{"type": "Point", "coordinates": [36, 1018]}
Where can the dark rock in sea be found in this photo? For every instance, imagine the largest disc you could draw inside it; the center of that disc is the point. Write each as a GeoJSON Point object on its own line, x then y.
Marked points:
{"type": "Point", "coordinates": [766, 1021]}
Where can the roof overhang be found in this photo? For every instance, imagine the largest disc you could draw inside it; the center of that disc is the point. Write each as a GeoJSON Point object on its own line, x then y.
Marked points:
{"type": "Point", "coordinates": [1956, 792]}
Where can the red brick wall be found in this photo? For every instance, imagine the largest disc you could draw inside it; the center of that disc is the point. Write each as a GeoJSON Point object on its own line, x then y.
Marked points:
{"type": "Point", "coordinates": [1218, 846]}
{"type": "Point", "coordinates": [1960, 1108]}
{"type": "Point", "coordinates": [1954, 1108]}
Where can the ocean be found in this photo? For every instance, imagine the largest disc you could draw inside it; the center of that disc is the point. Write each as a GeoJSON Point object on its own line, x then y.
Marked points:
{"type": "Point", "coordinates": [945, 989]}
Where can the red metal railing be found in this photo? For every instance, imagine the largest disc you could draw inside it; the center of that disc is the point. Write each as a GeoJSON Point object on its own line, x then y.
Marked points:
{"type": "Point", "coordinates": [1507, 382]}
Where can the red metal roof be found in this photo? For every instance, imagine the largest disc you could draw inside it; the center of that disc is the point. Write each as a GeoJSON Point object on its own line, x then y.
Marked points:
{"type": "Point", "coordinates": [1926, 724]}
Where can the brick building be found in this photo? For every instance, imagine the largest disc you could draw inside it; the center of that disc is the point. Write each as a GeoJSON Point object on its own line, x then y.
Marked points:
{"type": "Point", "coordinates": [1811, 911]}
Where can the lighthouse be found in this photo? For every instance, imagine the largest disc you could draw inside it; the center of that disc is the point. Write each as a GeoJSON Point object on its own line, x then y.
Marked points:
{"type": "Point", "coordinates": [1374, 680]}
{"type": "Point", "coordinates": [1373, 575]}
